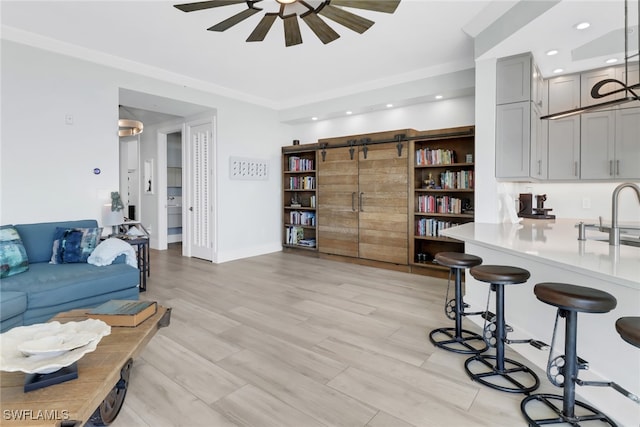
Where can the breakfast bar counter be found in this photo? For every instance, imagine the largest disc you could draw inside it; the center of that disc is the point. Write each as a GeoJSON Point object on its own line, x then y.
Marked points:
{"type": "Point", "coordinates": [551, 252]}
{"type": "Point", "coordinates": [555, 242]}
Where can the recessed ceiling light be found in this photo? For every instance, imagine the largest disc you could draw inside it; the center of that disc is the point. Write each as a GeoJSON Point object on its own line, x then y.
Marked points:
{"type": "Point", "coordinates": [557, 70]}
{"type": "Point", "coordinates": [611, 60]}
{"type": "Point", "coordinates": [314, 118]}
{"type": "Point", "coordinates": [438, 96]}
{"type": "Point", "coordinates": [552, 52]}
{"type": "Point", "coordinates": [349, 112]}
{"type": "Point", "coordinates": [389, 105]}
{"type": "Point", "coordinates": [582, 26]}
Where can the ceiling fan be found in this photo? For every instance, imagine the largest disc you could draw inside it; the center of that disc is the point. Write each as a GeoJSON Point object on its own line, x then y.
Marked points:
{"type": "Point", "coordinates": [310, 11]}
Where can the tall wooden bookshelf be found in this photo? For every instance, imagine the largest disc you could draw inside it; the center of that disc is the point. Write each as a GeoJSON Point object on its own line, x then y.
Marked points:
{"type": "Point", "coordinates": [299, 181]}
{"type": "Point", "coordinates": [443, 193]}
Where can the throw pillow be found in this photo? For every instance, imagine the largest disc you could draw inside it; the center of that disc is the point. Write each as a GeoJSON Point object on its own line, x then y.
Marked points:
{"type": "Point", "coordinates": [74, 244]}
{"type": "Point", "coordinates": [13, 257]}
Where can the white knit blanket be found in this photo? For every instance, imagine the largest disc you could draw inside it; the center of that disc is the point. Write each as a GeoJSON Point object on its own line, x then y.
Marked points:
{"type": "Point", "coordinates": [110, 249]}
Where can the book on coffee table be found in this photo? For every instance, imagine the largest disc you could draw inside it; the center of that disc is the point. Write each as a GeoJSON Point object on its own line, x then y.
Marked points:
{"type": "Point", "coordinates": [124, 312]}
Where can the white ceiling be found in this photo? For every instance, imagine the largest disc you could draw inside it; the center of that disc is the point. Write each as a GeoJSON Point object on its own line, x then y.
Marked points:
{"type": "Point", "coordinates": [422, 38]}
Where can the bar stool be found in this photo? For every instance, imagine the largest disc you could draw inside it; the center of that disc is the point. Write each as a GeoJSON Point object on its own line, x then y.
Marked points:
{"type": "Point", "coordinates": [629, 329]}
{"type": "Point", "coordinates": [457, 339]}
{"type": "Point", "coordinates": [562, 371]}
{"type": "Point", "coordinates": [519, 378]}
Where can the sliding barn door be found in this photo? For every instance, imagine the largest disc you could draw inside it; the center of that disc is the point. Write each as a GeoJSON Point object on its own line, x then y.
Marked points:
{"type": "Point", "coordinates": [363, 203]}
{"type": "Point", "coordinates": [383, 193]}
{"type": "Point", "coordinates": [338, 202]}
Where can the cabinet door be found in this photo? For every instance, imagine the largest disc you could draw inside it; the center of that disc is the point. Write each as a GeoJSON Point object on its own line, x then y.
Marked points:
{"type": "Point", "coordinates": [564, 148]}
{"type": "Point", "coordinates": [564, 93]}
{"type": "Point", "coordinates": [627, 145]}
{"type": "Point", "coordinates": [633, 79]}
{"type": "Point", "coordinates": [383, 203]}
{"type": "Point", "coordinates": [338, 202]}
{"type": "Point", "coordinates": [513, 132]}
{"type": "Point", "coordinates": [513, 79]}
{"type": "Point", "coordinates": [590, 78]}
{"type": "Point", "coordinates": [597, 131]}
{"type": "Point", "coordinates": [539, 145]}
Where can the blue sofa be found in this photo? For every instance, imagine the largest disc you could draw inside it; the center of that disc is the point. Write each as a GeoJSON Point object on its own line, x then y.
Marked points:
{"type": "Point", "coordinates": [45, 289]}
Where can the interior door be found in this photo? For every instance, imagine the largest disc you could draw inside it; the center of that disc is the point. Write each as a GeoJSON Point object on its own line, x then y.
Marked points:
{"type": "Point", "coordinates": [338, 202]}
{"type": "Point", "coordinates": [199, 237]}
{"type": "Point", "coordinates": [383, 203]}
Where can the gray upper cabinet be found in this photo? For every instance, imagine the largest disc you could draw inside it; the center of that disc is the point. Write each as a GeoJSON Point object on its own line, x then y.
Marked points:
{"type": "Point", "coordinates": [564, 93]}
{"type": "Point", "coordinates": [513, 77]}
{"type": "Point", "coordinates": [597, 145]}
{"type": "Point", "coordinates": [627, 143]}
{"type": "Point", "coordinates": [513, 140]}
{"type": "Point", "coordinates": [590, 78]}
{"type": "Point", "coordinates": [564, 134]}
{"type": "Point", "coordinates": [521, 144]}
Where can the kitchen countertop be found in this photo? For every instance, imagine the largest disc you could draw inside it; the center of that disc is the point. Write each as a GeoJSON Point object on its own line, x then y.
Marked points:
{"type": "Point", "coordinates": [555, 242]}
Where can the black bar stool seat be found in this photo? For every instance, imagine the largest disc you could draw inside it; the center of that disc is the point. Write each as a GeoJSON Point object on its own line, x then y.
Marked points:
{"type": "Point", "coordinates": [457, 259]}
{"type": "Point", "coordinates": [497, 371]}
{"type": "Point", "coordinates": [457, 339]}
{"type": "Point", "coordinates": [629, 329]}
{"type": "Point", "coordinates": [570, 300]}
{"type": "Point", "coordinates": [575, 298]}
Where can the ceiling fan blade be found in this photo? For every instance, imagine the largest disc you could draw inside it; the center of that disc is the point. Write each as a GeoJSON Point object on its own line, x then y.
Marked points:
{"type": "Point", "coordinates": [292, 34]}
{"type": "Point", "coordinates": [200, 5]}
{"type": "Point", "coordinates": [263, 27]}
{"type": "Point", "coordinates": [325, 33]}
{"type": "Point", "coordinates": [230, 22]}
{"type": "Point", "coordinates": [348, 19]}
{"type": "Point", "coordinates": [386, 6]}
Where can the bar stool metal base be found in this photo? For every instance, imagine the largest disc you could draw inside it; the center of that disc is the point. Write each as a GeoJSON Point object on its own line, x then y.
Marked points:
{"type": "Point", "coordinates": [515, 375]}
{"type": "Point", "coordinates": [448, 339]}
{"type": "Point", "coordinates": [548, 400]}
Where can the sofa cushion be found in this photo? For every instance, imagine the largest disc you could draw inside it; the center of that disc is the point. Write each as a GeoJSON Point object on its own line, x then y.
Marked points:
{"type": "Point", "coordinates": [13, 257]}
{"type": "Point", "coordinates": [52, 284]}
{"type": "Point", "coordinates": [74, 244]}
{"type": "Point", "coordinates": [38, 238]}
{"type": "Point", "coordinates": [12, 303]}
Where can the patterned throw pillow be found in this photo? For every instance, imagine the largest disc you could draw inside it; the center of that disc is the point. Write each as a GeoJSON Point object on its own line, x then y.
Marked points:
{"type": "Point", "coordinates": [13, 257]}
{"type": "Point", "coordinates": [74, 244]}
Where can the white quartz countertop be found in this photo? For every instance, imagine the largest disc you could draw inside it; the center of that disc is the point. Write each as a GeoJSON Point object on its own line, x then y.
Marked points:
{"type": "Point", "coordinates": [555, 242]}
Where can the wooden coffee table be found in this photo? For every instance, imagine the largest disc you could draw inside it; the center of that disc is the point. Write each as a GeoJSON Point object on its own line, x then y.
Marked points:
{"type": "Point", "coordinates": [98, 392]}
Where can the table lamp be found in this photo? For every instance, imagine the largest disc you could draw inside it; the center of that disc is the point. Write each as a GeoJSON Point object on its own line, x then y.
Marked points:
{"type": "Point", "coordinates": [112, 218]}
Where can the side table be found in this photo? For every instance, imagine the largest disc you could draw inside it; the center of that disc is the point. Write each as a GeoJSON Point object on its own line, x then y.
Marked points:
{"type": "Point", "coordinates": [141, 246]}
{"type": "Point", "coordinates": [142, 251]}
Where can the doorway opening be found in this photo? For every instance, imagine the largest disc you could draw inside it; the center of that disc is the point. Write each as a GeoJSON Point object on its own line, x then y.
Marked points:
{"type": "Point", "coordinates": [174, 188]}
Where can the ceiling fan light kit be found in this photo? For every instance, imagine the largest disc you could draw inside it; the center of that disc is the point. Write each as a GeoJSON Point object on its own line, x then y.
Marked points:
{"type": "Point", "coordinates": [290, 10]}
{"type": "Point", "coordinates": [129, 127]}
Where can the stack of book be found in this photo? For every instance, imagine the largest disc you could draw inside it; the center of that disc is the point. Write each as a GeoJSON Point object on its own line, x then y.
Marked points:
{"type": "Point", "coordinates": [124, 312]}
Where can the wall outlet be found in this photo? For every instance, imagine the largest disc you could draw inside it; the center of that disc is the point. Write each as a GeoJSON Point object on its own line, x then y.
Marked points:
{"type": "Point", "coordinates": [586, 203]}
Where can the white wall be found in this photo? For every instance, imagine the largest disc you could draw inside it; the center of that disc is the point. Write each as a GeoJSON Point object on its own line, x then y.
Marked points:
{"type": "Point", "coordinates": [47, 166]}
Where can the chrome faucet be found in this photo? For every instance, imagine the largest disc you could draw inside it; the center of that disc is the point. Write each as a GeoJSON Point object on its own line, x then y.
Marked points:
{"type": "Point", "coordinates": [614, 232]}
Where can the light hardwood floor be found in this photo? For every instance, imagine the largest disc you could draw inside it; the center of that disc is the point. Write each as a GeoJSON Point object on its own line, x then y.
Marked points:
{"type": "Point", "coordinates": [285, 340]}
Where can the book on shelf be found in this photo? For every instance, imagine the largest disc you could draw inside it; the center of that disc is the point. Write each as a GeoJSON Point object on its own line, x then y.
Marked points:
{"type": "Point", "coordinates": [124, 312]}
